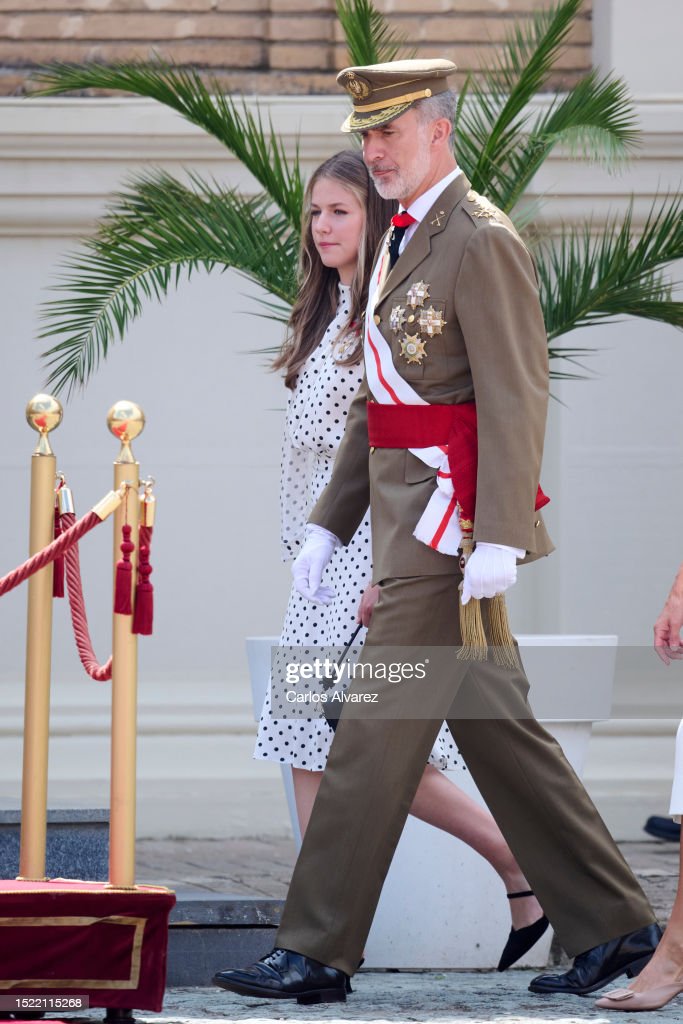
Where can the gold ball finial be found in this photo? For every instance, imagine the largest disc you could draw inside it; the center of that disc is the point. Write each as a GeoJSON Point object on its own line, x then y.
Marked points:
{"type": "Point", "coordinates": [44, 413]}
{"type": "Point", "coordinates": [126, 420]}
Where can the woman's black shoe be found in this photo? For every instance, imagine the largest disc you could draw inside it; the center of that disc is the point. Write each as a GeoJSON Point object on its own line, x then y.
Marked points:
{"type": "Point", "coordinates": [521, 940]}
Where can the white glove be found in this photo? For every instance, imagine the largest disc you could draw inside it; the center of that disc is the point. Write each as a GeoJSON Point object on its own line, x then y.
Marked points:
{"type": "Point", "coordinates": [309, 565]}
{"type": "Point", "coordinates": [490, 570]}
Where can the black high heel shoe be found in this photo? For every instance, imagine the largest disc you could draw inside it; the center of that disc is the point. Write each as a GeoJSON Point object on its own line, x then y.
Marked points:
{"type": "Point", "coordinates": [521, 940]}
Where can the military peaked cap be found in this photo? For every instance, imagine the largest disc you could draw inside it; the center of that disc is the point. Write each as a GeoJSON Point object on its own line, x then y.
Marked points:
{"type": "Point", "coordinates": [382, 92]}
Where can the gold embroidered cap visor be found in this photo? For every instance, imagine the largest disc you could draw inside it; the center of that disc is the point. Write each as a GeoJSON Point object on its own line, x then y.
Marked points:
{"type": "Point", "coordinates": [382, 92]}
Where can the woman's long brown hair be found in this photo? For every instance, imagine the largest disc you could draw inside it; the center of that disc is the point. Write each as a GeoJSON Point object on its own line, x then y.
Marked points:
{"type": "Point", "coordinates": [318, 296]}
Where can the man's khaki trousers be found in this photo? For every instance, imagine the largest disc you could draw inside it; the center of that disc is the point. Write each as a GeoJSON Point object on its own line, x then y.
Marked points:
{"type": "Point", "coordinates": [375, 765]}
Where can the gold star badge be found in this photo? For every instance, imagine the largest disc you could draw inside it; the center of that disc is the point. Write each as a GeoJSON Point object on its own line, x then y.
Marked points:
{"type": "Point", "coordinates": [397, 318]}
{"type": "Point", "coordinates": [483, 206]}
{"type": "Point", "coordinates": [417, 294]}
{"type": "Point", "coordinates": [431, 321]}
{"type": "Point", "coordinates": [413, 348]}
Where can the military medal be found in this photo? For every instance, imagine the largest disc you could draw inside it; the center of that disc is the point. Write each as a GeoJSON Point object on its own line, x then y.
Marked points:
{"type": "Point", "coordinates": [413, 348]}
{"type": "Point", "coordinates": [417, 294]}
{"type": "Point", "coordinates": [431, 321]}
{"type": "Point", "coordinates": [397, 318]}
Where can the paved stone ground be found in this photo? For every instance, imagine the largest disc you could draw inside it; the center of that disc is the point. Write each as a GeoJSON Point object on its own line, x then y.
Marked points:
{"type": "Point", "coordinates": [251, 866]}
{"type": "Point", "coordinates": [451, 997]}
{"type": "Point", "coordinates": [262, 866]}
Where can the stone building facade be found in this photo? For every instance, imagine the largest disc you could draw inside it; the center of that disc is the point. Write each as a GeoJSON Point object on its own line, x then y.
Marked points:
{"type": "Point", "coordinates": [256, 46]}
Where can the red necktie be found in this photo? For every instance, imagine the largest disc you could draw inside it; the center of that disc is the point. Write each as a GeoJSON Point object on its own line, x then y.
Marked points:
{"type": "Point", "coordinates": [399, 222]}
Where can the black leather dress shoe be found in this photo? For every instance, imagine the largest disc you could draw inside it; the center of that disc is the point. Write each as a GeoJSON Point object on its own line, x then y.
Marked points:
{"type": "Point", "coordinates": [596, 967]}
{"type": "Point", "coordinates": [663, 828]}
{"type": "Point", "coordinates": [284, 974]}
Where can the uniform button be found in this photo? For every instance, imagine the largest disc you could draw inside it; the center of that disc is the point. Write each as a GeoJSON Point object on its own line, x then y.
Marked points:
{"type": "Point", "coordinates": [411, 319]}
{"type": "Point", "coordinates": [378, 319]}
{"type": "Point", "coordinates": [537, 523]}
{"type": "Point", "coordinates": [372, 449]}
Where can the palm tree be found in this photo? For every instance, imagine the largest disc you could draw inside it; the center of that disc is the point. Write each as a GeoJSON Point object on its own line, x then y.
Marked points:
{"type": "Point", "coordinates": [157, 228]}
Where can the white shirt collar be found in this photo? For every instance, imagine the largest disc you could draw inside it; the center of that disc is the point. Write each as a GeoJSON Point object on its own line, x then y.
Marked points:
{"type": "Point", "coordinates": [424, 203]}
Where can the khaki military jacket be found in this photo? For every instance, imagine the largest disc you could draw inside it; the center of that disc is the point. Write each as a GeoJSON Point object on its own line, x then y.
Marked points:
{"type": "Point", "coordinates": [492, 349]}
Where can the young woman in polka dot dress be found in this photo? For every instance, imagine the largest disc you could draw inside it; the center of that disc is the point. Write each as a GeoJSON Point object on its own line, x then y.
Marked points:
{"type": "Point", "coordinates": [322, 358]}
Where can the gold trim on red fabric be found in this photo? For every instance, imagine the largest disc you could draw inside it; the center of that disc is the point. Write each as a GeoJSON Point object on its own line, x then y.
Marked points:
{"type": "Point", "coordinates": [92, 983]}
{"type": "Point", "coordinates": [140, 890]}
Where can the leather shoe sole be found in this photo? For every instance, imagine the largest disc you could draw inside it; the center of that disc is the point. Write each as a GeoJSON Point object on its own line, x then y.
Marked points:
{"type": "Point", "coordinates": [322, 995]}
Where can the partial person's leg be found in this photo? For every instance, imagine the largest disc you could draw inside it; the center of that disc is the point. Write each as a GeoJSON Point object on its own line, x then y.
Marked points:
{"type": "Point", "coordinates": [441, 803]}
{"type": "Point", "coordinates": [554, 831]}
{"type": "Point", "coordinates": [373, 771]}
{"type": "Point", "coordinates": [306, 786]}
{"type": "Point", "coordinates": [666, 966]}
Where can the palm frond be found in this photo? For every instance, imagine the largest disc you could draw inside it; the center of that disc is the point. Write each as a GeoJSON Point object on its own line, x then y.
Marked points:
{"type": "Point", "coordinates": [586, 279]}
{"type": "Point", "coordinates": [278, 311]}
{"type": "Point", "coordinates": [574, 356]}
{"type": "Point", "coordinates": [505, 85]}
{"type": "Point", "coordinates": [499, 142]}
{"type": "Point", "coordinates": [159, 230]}
{"type": "Point", "coordinates": [242, 132]}
{"type": "Point", "coordinates": [156, 231]}
{"type": "Point", "coordinates": [369, 37]}
{"type": "Point", "coordinates": [595, 121]}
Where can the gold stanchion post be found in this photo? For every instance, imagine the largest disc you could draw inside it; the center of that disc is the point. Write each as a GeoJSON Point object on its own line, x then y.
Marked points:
{"type": "Point", "coordinates": [126, 421]}
{"type": "Point", "coordinates": [44, 413]}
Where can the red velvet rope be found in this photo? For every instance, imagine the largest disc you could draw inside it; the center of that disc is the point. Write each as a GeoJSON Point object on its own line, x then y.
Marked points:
{"type": "Point", "coordinates": [48, 554]}
{"type": "Point", "coordinates": [79, 616]}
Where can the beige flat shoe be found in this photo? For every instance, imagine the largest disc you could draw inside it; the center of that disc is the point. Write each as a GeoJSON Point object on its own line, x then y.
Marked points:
{"type": "Point", "coordinates": [628, 1001]}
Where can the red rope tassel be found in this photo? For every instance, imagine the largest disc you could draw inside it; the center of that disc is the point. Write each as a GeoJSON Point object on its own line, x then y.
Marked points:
{"type": "Point", "coordinates": [143, 619]}
{"type": "Point", "coordinates": [124, 575]}
{"type": "Point", "coordinates": [58, 564]}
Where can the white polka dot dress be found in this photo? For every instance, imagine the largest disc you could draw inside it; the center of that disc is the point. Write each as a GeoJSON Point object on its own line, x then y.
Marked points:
{"type": "Point", "coordinates": [316, 416]}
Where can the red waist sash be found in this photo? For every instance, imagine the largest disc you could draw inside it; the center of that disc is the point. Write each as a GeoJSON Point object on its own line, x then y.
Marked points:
{"type": "Point", "coordinates": [427, 426]}
{"type": "Point", "coordinates": [410, 426]}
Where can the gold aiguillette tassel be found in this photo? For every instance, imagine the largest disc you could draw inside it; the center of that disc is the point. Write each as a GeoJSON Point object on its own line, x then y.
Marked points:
{"type": "Point", "coordinates": [502, 640]}
{"type": "Point", "coordinates": [474, 646]}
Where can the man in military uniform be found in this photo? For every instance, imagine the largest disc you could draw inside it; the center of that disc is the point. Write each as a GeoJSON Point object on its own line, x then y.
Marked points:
{"type": "Point", "coordinates": [453, 327]}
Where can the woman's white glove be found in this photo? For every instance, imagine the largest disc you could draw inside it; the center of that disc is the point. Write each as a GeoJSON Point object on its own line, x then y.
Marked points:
{"type": "Point", "coordinates": [309, 565]}
{"type": "Point", "coordinates": [490, 570]}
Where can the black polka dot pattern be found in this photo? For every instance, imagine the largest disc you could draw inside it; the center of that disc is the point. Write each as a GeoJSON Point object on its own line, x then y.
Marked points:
{"type": "Point", "coordinates": [316, 416]}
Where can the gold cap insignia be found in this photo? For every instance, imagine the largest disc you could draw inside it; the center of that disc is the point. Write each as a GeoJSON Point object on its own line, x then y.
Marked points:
{"type": "Point", "coordinates": [358, 87]}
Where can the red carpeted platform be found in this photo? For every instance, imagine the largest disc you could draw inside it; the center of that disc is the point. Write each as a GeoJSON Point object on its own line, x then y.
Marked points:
{"type": "Point", "coordinates": [71, 937]}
